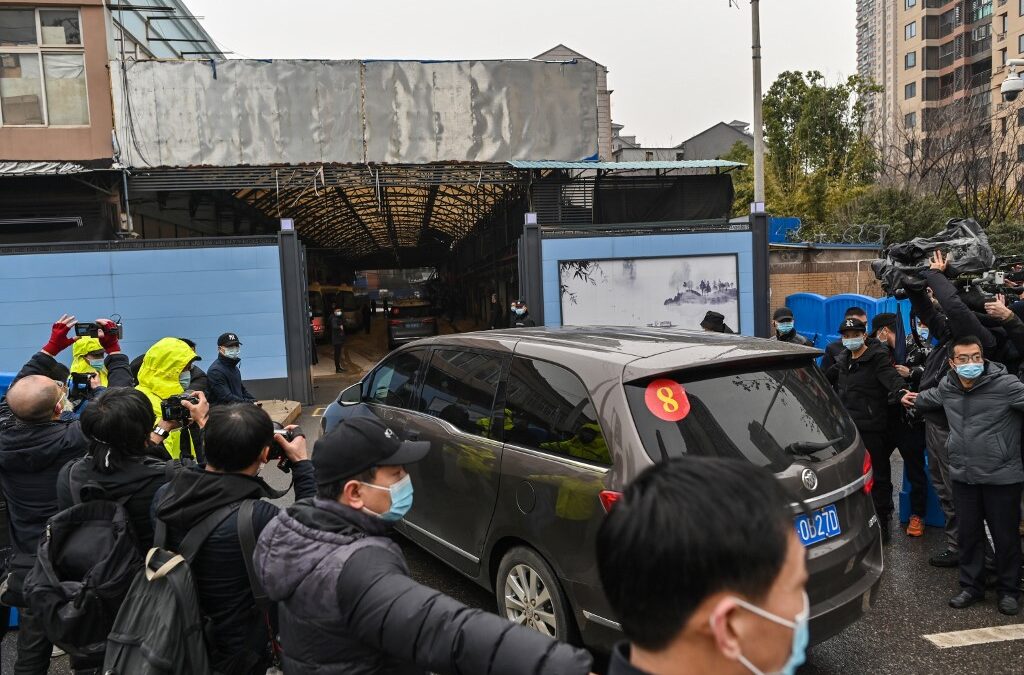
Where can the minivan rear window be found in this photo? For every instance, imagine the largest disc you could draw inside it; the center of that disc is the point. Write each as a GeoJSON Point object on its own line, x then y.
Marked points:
{"type": "Point", "coordinates": [410, 311]}
{"type": "Point", "coordinates": [767, 417]}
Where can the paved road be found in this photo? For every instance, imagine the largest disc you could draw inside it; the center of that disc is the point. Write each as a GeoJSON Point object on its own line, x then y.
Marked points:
{"type": "Point", "coordinates": [912, 600]}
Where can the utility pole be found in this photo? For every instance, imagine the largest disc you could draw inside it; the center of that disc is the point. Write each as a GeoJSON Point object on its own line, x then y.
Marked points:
{"type": "Point", "coordinates": [758, 127]}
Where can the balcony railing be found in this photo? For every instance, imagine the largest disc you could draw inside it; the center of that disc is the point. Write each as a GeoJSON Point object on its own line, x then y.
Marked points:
{"type": "Point", "coordinates": [981, 46]}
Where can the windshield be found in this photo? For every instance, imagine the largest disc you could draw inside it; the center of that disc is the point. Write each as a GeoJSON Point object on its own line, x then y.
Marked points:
{"type": "Point", "coordinates": [752, 415]}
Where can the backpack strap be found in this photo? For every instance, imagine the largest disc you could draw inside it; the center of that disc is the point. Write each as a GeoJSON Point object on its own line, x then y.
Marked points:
{"type": "Point", "coordinates": [198, 534]}
{"type": "Point", "coordinates": [247, 538]}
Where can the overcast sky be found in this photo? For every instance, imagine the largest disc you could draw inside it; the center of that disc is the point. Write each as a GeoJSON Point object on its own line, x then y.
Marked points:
{"type": "Point", "coordinates": [676, 66]}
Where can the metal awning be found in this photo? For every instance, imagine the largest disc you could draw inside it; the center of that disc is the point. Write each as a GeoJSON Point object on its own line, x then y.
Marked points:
{"type": "Point", "coordinates": [628, 166]}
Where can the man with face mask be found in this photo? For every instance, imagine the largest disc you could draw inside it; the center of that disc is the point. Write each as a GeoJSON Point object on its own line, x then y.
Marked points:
{"type": "Point", "coordinates": [38, 435]}
{"type": "Point", "coordinates": [868, 384]}
{"type": "Point", "coordinates": [224, 379]}
{"type": "Point", "coordinates": [346, 603]}
{"type": "Point", "coordinates": [238, 440]}
{"type": "Point", "coordinates": [337, 322]}
{"type": "Point", "coordinates": [984, 406]}
{"type": "Point", "coordinates": [690, 600]}
{"type": "Point", "coordinates": [519, 316]}
{"type": "Point", "coordinates": [785, 328]}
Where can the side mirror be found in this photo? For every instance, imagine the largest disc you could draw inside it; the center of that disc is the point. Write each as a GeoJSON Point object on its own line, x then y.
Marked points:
{"type": "Point", "coordinates": [352, 395]}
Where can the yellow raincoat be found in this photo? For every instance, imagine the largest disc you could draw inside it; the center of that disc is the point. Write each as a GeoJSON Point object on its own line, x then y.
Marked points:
{"type": "Point", "coordinates": [158, 379]}
{"type": "Point", "coordinates": [79, 364]}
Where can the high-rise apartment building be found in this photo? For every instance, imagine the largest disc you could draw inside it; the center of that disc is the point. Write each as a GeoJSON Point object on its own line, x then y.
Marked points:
{"type": "Point", "coordinates": [876, 55]}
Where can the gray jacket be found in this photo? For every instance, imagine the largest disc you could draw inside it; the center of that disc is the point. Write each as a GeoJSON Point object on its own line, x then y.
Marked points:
{"type": "Point", "coordinates": [346, 604]}
{"type": "Point", "coordinates": [984, 425]}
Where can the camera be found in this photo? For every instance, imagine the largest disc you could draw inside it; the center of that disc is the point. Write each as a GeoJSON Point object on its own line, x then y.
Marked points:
{"type": "Point", "coordinates": [1012, 86]}
{"type": "Point", "coordinates": [283, 463]}
{"type": "Point", "coordinates": [172, 410]}
{"type": "Point", "coordinates": [92, 330]}
{"type": "Point", "coordinates": [79, 385]}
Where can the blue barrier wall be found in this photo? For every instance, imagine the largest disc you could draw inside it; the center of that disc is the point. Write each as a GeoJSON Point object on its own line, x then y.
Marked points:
{"type": "Point", "coordinates": [197, 293]}
{"type": "Point", "coordinates": [650, 246]}
{"type": "Point", "coordinates": [818, 317]}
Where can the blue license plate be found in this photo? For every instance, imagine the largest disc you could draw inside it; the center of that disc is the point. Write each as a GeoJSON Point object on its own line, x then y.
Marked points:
{"type": "Point", "coordinates": [818, 526]}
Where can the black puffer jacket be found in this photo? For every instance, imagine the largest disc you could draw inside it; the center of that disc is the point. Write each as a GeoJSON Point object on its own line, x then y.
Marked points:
{"type": "Point", "coordinates": [867, 386]}
{"type": "Point", "coordinates": [348, 606]}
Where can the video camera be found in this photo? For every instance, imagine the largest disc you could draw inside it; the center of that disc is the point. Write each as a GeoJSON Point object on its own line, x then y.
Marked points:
{"type": "Point", "coordinates": [283, 463]}
{"type": "Point", "coordinates": [79, 385]}
{"type": "Point", "coordinates": [92, 329]}
{"type": "Point", "coordinates": [172, 410]}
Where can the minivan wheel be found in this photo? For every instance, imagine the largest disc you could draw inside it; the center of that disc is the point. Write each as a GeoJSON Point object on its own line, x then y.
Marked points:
{"type": "Point", "coordinates": [528, 593]}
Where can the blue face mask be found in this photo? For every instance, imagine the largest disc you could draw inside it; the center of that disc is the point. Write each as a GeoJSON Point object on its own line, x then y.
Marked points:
{"type": "Point", "coordinates": [232, 352]}
{"type": "Point", "coordinates": [98, 365]}
{"type": "Point", "coordinates": [922, 332]}
{"type": "Point", "coordinates": [401, 500]}
{"type": "Point", "coordinates": [853, 344]}
{"type": "Point", "coordinates": [785, 327]}
{"type": "Point", "coordinates": [970, 371]}
{"type": "Point", "coordinates": [184, 380]}
{"type": "Point", "coordinates": [801, 636]}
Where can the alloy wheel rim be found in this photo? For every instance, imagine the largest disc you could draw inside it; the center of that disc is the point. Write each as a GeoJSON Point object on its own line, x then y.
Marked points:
{"type": "Point", "coordinates": [528, 600]}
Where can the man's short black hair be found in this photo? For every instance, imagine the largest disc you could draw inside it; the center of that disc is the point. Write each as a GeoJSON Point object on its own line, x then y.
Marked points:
{"type": "Point", "coordinates": [686, 529]}
{"type": "Point", "coordinates": [331, 491]}
{"type": "Point", "coordinates": [854, 311]}
{"type": "Point", "coordinates": [117, 423]}
{"type": "Point", "coordinates": [235, 435]}
{"type": "Point", "coordinates": [191, 345]}
{"type": "Point", "coordinates": [965, 341]}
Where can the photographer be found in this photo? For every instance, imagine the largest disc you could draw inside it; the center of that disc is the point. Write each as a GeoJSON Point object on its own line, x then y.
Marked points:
{"type": "Point", "coordinates": [239, 438]}
{"type": "Point", "coordinates": [38, 435]}
{"type": "Point", "coordinates": [1008, 320]}
{"type": "Point", "coordinates": [88, 358]}
{"type": "Point", "coordinates": [167, 371]}
{"type": "Point", "coordinates": [868, 384]}
{"type": "Point", "coordinates": [984, 405]}
{"type": "Point", "coordinates": [124, 457]}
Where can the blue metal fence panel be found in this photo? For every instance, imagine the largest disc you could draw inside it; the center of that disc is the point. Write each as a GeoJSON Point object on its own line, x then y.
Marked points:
{"type": "Point", "coordinates": [197, 293]}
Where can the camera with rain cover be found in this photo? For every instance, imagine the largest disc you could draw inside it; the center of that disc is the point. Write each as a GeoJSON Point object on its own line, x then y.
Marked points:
{"type": "Point", "coordinates": [283, 463]}
{"type": "Point", "coordinates": [172, 410]}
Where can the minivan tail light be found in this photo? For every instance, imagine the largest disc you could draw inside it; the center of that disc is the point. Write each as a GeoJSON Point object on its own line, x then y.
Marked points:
{"type": "Point", "coordinates": [608, 499]}
{"type": "Point", "coordinates": [395, 322]}
{"type": "Point", "coordinates": [428, 319]}
{"type": "Point", "coordinates": [869, 484]}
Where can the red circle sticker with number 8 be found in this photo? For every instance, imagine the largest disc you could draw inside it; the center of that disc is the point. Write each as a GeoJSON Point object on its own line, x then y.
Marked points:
{"type": "Point", "coordinates": [666, 399]}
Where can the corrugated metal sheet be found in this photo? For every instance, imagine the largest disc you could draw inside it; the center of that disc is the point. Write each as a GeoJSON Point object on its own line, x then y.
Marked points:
{"type": "Point", "coordinates": [183, 114]}
{"type": "Point", "coordinates": [624, 166]}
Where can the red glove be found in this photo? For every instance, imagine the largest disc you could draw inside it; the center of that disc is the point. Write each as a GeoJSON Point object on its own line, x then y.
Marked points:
{"type": "Point", "coordinates": [109, 340]}
{"type": "Point", "coordinates": [59, 340]}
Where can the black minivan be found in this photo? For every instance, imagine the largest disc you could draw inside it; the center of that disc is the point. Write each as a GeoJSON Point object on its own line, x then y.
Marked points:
{"type": "Point", "coordinates": [535, 432]}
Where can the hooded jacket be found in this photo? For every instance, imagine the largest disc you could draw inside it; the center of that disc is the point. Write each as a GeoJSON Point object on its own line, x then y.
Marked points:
{"type": "Point", "coordinates": [31, 456]}
{"type": "Point", "coordinates": [224, 381]}
{"type": "Point", "coordinates": [984, 425]}
{"type": "Point", "coordinates": [347, 605]}
{"type": "Point", "coordinates": [158, 379]}
{"type": "Point", "coordinates": [867, 386]}
{"type": "Point", "coordinates": [79, 364]}
{"type": "Point", "coordinates": [225, 594]}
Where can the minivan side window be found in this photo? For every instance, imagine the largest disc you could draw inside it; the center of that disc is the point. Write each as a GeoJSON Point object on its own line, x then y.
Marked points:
{"type": "Point", "coordinates": [459, 387]}
{"type": "Point", "coordinates": [394, 383]}
{"type": "Point", "coordinates": [547, 408]}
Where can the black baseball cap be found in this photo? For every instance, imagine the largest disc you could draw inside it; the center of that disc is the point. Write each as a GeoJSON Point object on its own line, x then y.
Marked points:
{"type": "Point", "coordinates": [228, 339]}
{"type": "Point", "coordinates": [360, 443]}
{"type": "Point", "coordinates": [783, 313]}
{"type": "Point", "coordinates": [852, 323]}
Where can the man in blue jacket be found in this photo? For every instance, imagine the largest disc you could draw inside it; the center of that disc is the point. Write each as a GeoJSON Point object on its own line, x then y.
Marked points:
{"type": "Point", "coordinates": [224, 378]}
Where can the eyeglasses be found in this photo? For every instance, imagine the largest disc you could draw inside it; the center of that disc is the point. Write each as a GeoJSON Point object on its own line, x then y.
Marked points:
{"type": "Point", "coordinates": [965, 359]}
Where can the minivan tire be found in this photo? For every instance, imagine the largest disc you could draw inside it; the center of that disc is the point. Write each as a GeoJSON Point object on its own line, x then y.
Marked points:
{"type": "Point", "coordinates": [519, 567]}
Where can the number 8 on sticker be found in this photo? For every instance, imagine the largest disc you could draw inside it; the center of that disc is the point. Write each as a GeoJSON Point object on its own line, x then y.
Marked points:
{"type": "Point", "coordinates": [666, 399]}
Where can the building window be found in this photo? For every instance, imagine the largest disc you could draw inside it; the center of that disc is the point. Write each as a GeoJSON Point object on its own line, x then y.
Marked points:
{"type": "Point", "coordinates": [1020, 117]}
{"type": "Point", "coordinates": [1003, 124]}
{"type": "Point", "coordinates": [910, 30]}
{"type": "Point", "coordinates": [910, 90]}
{"type": "Point", "coordinates": [1020, 44]}
{"type": "Point", "coordinates": [908, 150]}
{"type": "Point", "coordinates": [910, 120]}
{"type": "Point", "coordinates": [910, 60]}
{"type": "Point", "coordinates": [1003, 23]}
{"type": "Point", "coordinates": [1020, 152]}
{"type": "Point", "coordinates": [42, 68]}
{"type": "Point", "coordinates": [910, 3]}
{"type": "Point", "coordinates": [679, 156]}
{"type": "Point", "coordinates": [649, 156]}
{"type": "Point", "coordinates": [1002, 56]}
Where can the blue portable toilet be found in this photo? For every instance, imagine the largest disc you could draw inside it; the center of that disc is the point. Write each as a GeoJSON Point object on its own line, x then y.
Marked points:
{"type": "Point", "coordinates": [807, 310]}
{"type": "Point", "coordinates": [5, 382]}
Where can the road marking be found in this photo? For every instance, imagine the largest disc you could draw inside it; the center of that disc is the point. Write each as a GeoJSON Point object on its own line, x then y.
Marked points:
{"type": "Point", "coordinates": [976, 636]}
{"type": "Point", "coordinates": [319, 412]}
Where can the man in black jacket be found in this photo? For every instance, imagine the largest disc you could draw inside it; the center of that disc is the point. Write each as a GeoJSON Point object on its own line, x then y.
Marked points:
{"type": "Point", "coordinates": [834, 349]}
{"type": "Point", "coordinates": [948, 319]}
{"type": "Point", "coordinates": [868, 385]}
{"type": "Point", "coordinates": [224, 378]}
{"type": "Point", "coordinates": [785, 328]}
{"type": "Point", "coordinates": [38, 435]}
{"type": "Point", "coordinates": [985, 407]}
{"type": "Point", "coordinates": [345, 600]}
{"type": "Point", "coordinates": [238, 440]}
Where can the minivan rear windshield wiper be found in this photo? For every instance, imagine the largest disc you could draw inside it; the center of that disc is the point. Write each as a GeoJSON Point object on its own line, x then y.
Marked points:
{"type": "Point", "coordinates": [805, 447]}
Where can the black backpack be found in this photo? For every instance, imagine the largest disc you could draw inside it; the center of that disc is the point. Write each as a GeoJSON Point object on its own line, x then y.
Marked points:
{"type": "Point", "coordinates": [160, 629]}
{"type": "Point", "coordinates": [83, 569]}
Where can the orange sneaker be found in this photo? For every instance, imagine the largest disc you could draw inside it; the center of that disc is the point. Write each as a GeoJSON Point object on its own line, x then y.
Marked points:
{"type": "Point", "coordinates": [915, 528]}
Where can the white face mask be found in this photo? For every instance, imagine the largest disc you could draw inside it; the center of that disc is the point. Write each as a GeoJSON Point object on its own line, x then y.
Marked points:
{"type": "Point", "coordinates": [232, 352]}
